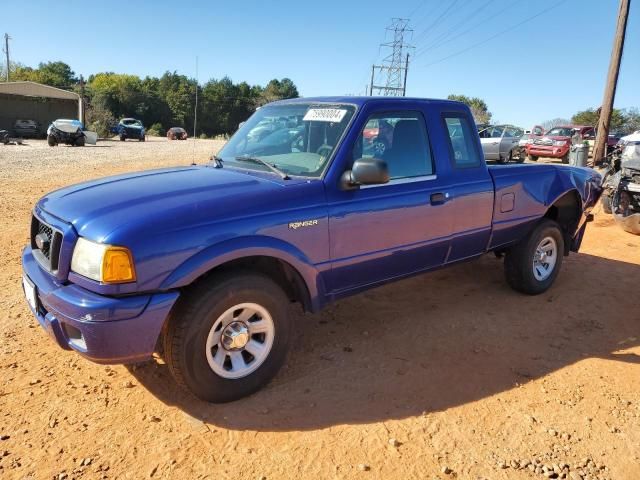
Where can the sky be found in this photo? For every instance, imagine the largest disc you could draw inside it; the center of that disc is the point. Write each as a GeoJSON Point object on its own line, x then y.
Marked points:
{"type": "Point", "coordinates": [530, 61]}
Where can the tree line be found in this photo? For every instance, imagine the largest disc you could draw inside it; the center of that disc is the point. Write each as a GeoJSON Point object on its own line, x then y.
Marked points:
{"type": "Point", "coordinates": [160, 102]}
{"type": "Point", "coordinates": [623, 121]}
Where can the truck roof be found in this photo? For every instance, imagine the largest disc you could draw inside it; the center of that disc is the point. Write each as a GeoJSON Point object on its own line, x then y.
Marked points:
{"type": "Point", "coordinates": [360, 101]}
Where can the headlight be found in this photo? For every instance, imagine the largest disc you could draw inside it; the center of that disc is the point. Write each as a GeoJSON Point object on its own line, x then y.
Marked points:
{"type": "Point", "coordinates": [559, 143]}
{"type": "Point", "coordinates": [102, 263]}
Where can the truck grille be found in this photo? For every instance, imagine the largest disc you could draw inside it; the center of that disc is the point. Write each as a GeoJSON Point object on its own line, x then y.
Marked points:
{"type": "Point", "coordinates": [45, 244]}
{"type": "Point", "coordinates": [545, 142]}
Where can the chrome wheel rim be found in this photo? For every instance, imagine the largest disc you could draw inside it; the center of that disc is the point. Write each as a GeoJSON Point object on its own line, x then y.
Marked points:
{"type": "Point", "coordinates": [544, 258]}
{"type": "Point", "coordinates": [240, 340]}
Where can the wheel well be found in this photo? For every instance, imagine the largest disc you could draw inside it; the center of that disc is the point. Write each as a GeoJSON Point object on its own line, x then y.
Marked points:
{"type": "Point", "coordinates": [566, 211]}
{"type": "Point", "coordinates": [281, 272]}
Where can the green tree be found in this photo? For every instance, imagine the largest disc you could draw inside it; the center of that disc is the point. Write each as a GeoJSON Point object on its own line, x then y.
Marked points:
{"type": "Point", "coordinates": [591, 117]}
{"type": "Point", "coordinates": [631, 120]}
{"type": "Point", "coordinates": [479, 109]}
{"type": "Point", "coordinates": [279, 90]}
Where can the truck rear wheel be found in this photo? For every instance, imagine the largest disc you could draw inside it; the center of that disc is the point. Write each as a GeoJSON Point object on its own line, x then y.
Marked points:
{"type": "Point", "coordinates": [532, 265]}
{"type": "Point", "coordinates": [229, 336]}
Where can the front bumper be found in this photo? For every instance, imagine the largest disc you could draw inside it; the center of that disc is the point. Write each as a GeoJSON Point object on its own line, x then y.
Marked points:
{"type": "Point", "coordinates": [547, 151]}
{"type": "Point", "coordinates": [103, 329]}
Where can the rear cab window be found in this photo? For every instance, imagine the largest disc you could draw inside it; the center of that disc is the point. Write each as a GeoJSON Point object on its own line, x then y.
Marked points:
{"type": "Point", "coordinates": [462, 143]}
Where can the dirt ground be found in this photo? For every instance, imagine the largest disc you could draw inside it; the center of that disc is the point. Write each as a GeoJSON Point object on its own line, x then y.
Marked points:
{"type": "Point", "coordinates": [446, 375]}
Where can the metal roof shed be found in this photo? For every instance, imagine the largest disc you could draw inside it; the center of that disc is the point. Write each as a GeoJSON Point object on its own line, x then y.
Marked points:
{"type": "Point", "coordinates": [35, 101]}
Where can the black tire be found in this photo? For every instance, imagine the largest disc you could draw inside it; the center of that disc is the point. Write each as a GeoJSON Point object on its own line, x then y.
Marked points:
{"type": "Point", "coordinates": [122, 138]}
{"type": "Point", "coordinates": [521, 156]}
{"type": "Point", "coordinates": [185, 335]}
{"type": "Point", "coordinates": [142, 139]}
{"type": "Point", "coordinates": [565, 159]}
{"type": "Point", "coordinates": [533, 158]}
{"type": "Point", "coordinates": [519, 259]}
{"type": "Point", "coordinates": [605, 200]}
{"type": "Point", "coordinates": [79, 142]}
{"type": "Point", "coordinates": [51, 141]}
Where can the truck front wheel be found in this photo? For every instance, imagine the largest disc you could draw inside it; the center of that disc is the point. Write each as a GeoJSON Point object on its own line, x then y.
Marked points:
{"type": "Point", "coordinates": [51, 141]}
{"type": "Point", "coordinates": [229, 336]}
{"type": "Point", "coordinates": [532, 265]}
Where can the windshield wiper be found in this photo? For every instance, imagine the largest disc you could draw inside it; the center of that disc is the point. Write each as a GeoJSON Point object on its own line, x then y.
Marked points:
{"type": "Point", "coordinates": [217, 160]}
{"type": "Point", "coordinates": [259, 160]}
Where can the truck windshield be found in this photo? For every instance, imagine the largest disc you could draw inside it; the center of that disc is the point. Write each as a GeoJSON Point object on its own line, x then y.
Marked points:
{"type": "Point", "coordinates": [297, 139]}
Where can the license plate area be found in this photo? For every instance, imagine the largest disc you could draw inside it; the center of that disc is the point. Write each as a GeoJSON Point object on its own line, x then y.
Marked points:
{"type": "Point", "coordinates": [30, 293]}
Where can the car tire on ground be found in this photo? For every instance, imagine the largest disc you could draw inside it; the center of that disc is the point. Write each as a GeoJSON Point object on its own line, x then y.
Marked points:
{"type": "Point", "coordinates": [533, 264]}
{"type": "Point", "coordinates": [521, 156]}
{"type": "Point", "coordinates": [79, 142]}
{"type": "Point", "coordinates": [228, 336]}
{"type": "Point", "coordinates": [142, 139]}
{"type": "Point", "coordinates": [122, 138]}
{"type": "Point", "coordinates": [51, 141]}
{"type": "Point", "coordinates": [565, 159]}
{"type": "Point", "coordinates": [605, 201]}
{"type": "Point", "coordinates": [533, 158]}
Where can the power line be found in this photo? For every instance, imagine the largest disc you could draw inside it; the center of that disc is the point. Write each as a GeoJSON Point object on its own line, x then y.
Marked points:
{"type": "Point", "coordinates": [507, 30]}
{"type": "Point", "coordinates": [464, 32]}
{"type": "Point", "coordinates": [433, 24]}
{"type": "Point", "coordinates": [420, 5]}
{"type": "Point", "coordinates": [462, 22]}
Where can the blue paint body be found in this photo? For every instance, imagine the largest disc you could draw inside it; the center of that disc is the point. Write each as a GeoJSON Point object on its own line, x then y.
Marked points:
{"type": "Point", "coordinates": [182, 222]}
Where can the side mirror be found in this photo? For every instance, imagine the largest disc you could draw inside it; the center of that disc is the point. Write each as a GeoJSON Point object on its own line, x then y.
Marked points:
{"type": "Point", "coordinates": [366, 171]}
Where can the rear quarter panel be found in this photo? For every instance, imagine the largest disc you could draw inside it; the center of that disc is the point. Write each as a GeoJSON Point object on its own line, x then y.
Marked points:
{"type": "Point", "coordinates": [524, 194]}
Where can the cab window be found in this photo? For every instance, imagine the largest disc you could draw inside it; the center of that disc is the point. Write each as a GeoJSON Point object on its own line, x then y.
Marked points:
{"type": "Point", "coordinates": [463, 150]}
{"type": "Point", "coordinates": [400, 139]}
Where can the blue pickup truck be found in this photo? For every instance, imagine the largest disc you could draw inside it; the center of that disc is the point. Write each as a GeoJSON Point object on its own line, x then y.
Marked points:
{"type": "Point", "coordinates": [200, 262]}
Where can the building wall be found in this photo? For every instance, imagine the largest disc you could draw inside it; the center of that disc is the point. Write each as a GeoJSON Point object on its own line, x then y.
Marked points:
{"type": "Point", "coordinates": [42, 110]}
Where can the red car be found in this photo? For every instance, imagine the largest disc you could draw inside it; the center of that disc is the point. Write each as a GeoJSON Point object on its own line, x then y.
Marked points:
{"type": "Point", "coordinates": [556, 142]}
{"type": "Point", "coordinates": [177, 133]}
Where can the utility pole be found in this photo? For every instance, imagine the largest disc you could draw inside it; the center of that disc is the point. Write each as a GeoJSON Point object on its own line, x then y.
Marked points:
{"type": "Point", "coordinates": [393, 66]}
{"type": "Point", "coordinates": [81, 99]}
{"type": "Point", "coordinates": [6, 51]}
{"type": "Point", "coordinates": [599, 150]}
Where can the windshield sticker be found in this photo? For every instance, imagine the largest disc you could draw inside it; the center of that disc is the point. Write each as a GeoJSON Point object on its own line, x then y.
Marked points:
{"type": "Point", "coordinates": [324, 115]}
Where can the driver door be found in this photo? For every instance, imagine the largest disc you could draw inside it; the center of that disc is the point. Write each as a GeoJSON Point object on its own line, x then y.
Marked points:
{"type": "Point", "coordinates": [379, 232]}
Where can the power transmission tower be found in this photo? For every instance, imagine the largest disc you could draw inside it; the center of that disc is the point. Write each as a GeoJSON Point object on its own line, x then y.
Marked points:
{"type": "Point", "coordinates": [6, 51]}
{"type": "Point", "coordinates": [395, 66]}
{"type": "Point", "coordinates": [612, 81]}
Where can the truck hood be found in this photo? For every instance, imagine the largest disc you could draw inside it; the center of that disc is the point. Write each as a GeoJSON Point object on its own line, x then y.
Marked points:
{"type": "Point", "coordinates": [101, 208]}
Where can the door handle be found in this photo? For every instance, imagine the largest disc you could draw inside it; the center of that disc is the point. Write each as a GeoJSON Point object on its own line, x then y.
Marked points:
{"type": "Point", "coordinates": [439, 198]}
{"type": "Point", "coordinates": [494, 143]}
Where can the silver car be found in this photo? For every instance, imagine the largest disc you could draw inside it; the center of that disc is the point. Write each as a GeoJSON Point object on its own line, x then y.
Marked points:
{"type": "Point", "coordinates": [500, 143]}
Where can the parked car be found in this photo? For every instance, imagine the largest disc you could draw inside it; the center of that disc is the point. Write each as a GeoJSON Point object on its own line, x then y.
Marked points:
{"type": "Point", "coordinates": [177, 133]}
{"type": "Point", "coordinates": [130, 128]}
{"type": "Point", "coordinates": [206, 259]}
{"type": "Point", "coordinates": [70, 132]}
{"type": "Point", "coordinates": [501, 143]}
{"type": "Point", "coordinates": [612, 140]}
{"type": "Point", "coordinates": [529, 136]}
{"type": "Point", "coordinates": [26, 128]}
{"type": "Point", "coordinates": [556, 142]}
{"type": "Point", "coordinates": [621, 197]}
{"type": "Point", "coordinates": [634, 137]}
